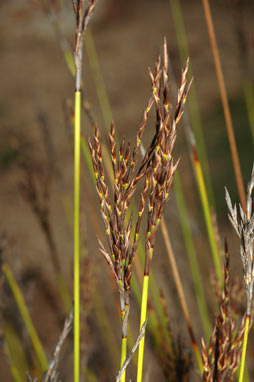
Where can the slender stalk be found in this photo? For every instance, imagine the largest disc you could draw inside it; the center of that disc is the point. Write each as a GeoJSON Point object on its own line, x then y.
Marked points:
{"type": "Point", "coordinates": [128, 359]}
{"type": "Point", "coordinates": [26, 317]}
{"type": "Point", "coordinates": [244, 348]}
{"type": "Point", "coordinates": [82, 19]}
{"type": "Point", "coordinates": [225, 104]}
{"type": "Point", "coordinates": [123, 355]}
{"type": "Point", "coordinates": [142, 321]}
{"type": "Point", "coordinates": [76, 237]}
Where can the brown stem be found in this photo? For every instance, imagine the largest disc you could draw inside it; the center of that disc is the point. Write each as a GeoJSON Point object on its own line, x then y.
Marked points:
{"type": "Point", "coordinates": [225, 104]}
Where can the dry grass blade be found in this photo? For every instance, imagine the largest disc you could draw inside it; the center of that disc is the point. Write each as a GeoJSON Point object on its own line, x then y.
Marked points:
{"type": "Point", "coordinates": [51, 374]}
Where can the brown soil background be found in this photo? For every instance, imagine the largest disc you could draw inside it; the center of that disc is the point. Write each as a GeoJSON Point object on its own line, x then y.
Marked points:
{"type": "Point", "coordinates": [34, 81]}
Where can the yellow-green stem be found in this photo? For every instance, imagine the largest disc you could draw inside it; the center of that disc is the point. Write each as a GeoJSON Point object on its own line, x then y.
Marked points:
{"type": "Point", "coordinates": [76, 236]}
{"type": "Point", "coordinates": [123, 355]}
{"type": "Point", "coordinates": [142, 320]}
{"type": "Point", "coordinates": [244, 349]}
{"type": "Point", "coordinates": [26, 317]}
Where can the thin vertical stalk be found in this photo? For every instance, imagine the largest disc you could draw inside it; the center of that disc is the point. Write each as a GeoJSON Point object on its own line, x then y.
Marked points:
{"type": "Point", "coordinates": [244, 348]}
{"type": "Point", "coordinates": [142, 321]}
{"type": "Point", "coordinates": [123, 355]}
{"type": "Point", "coordinates": [83, 17]}
{"type": "Point", "coordinates": [225, 104]}
{"type": "Point", "coordinates": [76, 236]}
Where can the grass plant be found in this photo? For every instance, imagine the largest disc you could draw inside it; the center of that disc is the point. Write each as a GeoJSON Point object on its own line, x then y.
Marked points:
{"type": "Point", "coordinates": [119, 174]}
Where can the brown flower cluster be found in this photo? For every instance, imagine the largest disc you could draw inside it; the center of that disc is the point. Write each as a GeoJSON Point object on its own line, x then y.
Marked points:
{"type": "Point", "coordinates": [157, 167]}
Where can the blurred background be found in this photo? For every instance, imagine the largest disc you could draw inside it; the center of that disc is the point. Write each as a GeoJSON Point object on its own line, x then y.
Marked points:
{"type": "Point", "coordinates": [36, 165]}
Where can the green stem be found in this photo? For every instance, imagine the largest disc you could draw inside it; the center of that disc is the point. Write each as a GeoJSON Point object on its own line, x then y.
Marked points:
{"type": "Point", "coordinates": [26, 317]}
{"type": "Point", "coordinates": [123, 355]}
{"type": "Point", "coordinates": [142, 321]}
{"type": "Point", "coordinates": [76, 237]}
{"type": "Point", "coordinates": [244, 349]}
